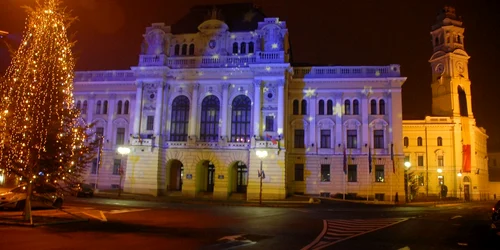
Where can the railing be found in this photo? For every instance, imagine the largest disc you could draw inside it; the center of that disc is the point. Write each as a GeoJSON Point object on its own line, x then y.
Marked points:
{"type": "Point", "coordinates": [141, 142]}
{"type": "Point", "coordinates": [216, 61]}
{"type": "Point", "coordinates": [392, 70]}
{"type": "Point", "coordinates": [109, 75]}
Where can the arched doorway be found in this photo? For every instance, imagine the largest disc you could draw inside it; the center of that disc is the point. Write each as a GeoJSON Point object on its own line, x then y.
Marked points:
{"type": "Point", "coordinates": [176, 173]}
{"type": "Point", "coordinates": [241, 177]}
{"type": "Point", "coordinates": [205, 177]}
{"type": "Point", "coordinates": [466, 188]}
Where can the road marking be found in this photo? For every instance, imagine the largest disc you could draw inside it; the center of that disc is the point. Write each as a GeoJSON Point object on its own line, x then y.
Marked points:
{"type": "Point", "coordinates": [456, 217]}
{"type": "Point", "coordinates": [335, 231]}
{"type": "Point", "coordinates": [125, 211]}
{"type": "Point", "coordinates": [101, 216]}
{"type": "Point", "coordinates": [301, 210]}
{"type": "Point", "coordinates": [405, 248]}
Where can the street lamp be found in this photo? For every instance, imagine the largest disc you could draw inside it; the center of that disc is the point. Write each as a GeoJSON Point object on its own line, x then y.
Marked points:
{"type": "Point", "coordinates": [459, 174]}
{"type": "Point", "coordinates": [407, 166]}
{"type": "Point", "coordinates": [261, 154]}
{"type": "Point", "coordinates": [122, 151]}
{"type": "Point", "coordinates": [3, 33]}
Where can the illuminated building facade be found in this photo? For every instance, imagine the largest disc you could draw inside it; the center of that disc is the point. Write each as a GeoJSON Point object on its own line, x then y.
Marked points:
{"type": "Point", "coordinates": [207, 95]}
{"type": "Point", "coordinates": [448, 149]}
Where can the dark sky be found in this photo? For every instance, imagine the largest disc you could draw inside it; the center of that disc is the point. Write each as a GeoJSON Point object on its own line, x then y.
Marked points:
{"type": "Point", "coordinates": [340, 32]}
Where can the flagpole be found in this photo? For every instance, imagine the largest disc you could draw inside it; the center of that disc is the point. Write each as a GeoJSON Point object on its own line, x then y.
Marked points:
{"type": "Point", "coordinates": [393, 167]}
{"type": "Point", "coordinates": [369, 174]}
{"type": "Point", "coordinates": [345, 173]}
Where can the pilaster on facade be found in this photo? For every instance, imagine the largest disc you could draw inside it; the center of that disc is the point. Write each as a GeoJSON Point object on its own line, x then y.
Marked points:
{"type": "Point", "coordinates": [138, 108]}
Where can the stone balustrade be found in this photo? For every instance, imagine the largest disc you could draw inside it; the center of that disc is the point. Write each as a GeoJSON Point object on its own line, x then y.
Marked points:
{"type": "Point", "coordinates": [392, 70]}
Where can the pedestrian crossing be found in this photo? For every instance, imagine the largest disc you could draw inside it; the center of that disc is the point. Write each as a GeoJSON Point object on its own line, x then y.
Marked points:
{"type": "Point", "coordinates": [337, 230]}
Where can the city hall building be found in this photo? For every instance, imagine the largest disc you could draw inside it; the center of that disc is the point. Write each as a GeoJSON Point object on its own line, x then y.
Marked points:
{"type": "Point", "coordinates": [215, 109]}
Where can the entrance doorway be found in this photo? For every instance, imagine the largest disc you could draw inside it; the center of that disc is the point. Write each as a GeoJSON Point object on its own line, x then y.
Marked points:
{"type": "Point", "coordinates": [176, 175]}
{"type": "Point", "coordinates": [466, 188]}
{"type": "Point", "coordinates": [210, 177]}
{"type": "Point", "coordinates": [241, 177]}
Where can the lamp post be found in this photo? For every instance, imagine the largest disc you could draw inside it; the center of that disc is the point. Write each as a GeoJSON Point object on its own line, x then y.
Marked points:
{"type": "Point", "coordinates": [122, 151]}
{"type": "Point", "coordinates": [459, 175]}
{"type": "Point", "coordinates": [261, 154]}
{"type": "Point", "coordinates": [441, 182]}
{"type": "Point", "coordinates": [407, 167]}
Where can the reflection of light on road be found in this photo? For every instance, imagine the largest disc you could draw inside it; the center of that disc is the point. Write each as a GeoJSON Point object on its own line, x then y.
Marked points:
{"type": "Point", "coordinates": [338, 110]}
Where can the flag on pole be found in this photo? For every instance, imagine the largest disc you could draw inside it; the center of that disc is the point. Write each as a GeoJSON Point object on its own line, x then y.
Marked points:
{"type": "Point", "coordinates": [370, 160]}
{"type": "Point", "coordinates": [392, 158]}
{"type": "Point", "coordinates": [345, 161]}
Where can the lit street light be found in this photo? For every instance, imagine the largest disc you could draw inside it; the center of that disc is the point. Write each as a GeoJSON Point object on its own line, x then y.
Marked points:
{"type": "Point", "coordinates": [122, 151]}
{"type": "Point", "coordinates": [261, 154]}
{"type": "Point", "coordinates": [407, 167]}
{"type": "Point", "coordinates": [3, 33]}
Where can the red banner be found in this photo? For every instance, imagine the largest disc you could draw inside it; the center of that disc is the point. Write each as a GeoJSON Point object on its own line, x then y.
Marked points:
{"type": "Point", "coordinates": [466, 159]}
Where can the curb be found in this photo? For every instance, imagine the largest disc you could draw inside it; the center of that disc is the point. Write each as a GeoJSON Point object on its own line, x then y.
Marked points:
{"type": "Point", "coordinates": [27, 224]}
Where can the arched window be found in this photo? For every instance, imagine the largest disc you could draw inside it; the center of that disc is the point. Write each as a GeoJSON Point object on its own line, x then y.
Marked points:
{"type": "Point", "coordinates": [105, 107]}
{"type": "Point", "coordinates": [241, 116]}
{"type": "Point", "coordinates": [440, 141]}
{"type": "Point", "coordinates": [355, 107]}
{"type": "Point", "coordinates": [184, 49]}
{"type": "Point", "coordinates": [419, 141]}
{"type": "Point", "coordinates": [209, 125]}
{"type": "Point", "coordinates": [329, 107]}
{"type": "Point", "coordinates": [250, 47]}
{"type": "Point", "coordinates": [191, 49]}
{"type": "Point", "coordinates": [243, 48]}
{"type": "Point", "coordinates": [303, 107]}
{"type": "Point", "coordinates": [406, 142]}
{"type": "Point", "coordinates": [373, 107]}
{"type": "Point", "coordinates": [321, 107]}
{"type": "Point", "coordinates": [235, 48]}
{"type": "Point", "coordinates": [176, 50]}
{"type": "Point", "coordinates": [179, 119]}
{"type": "Point", "coordinates": [125, 108]}
{"type": "Point", "coordinates": [459, 39]}
{"type": "Point", "coordinates": [84, 108]}
{"type": "Point", "coordinates": [79, 104]}
{"type": "Point", "coordinates": [462, 99]}
{"type": "Point", "coordinates": [98, 107]}
{"type": "Point", "coordinates": [347, 107]}
{"type": "Point", "coordinates": [381, 107]}
{"type": "Point", "coordinates": [119, 108]}
{"type": "Point", "coordinates": [295, 107]}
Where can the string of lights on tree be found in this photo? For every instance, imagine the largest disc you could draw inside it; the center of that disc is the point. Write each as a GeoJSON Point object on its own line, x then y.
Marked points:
{"type": "Point", "coordinates": [41, 138]}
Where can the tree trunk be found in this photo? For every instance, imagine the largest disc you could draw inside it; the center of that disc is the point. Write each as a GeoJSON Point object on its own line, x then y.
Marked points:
{"type": "Point", "coordinates": [27, 204]}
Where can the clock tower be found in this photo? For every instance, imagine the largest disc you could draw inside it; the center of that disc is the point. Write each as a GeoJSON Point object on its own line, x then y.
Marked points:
{"type": "Point", "coordinates": [451, 95]}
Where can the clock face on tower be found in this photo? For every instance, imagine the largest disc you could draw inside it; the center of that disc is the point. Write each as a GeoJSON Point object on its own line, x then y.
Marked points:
{"type": "Point", "coordinates": [439, 68]}
{"type": "Point", "coordinates": [460, 67]}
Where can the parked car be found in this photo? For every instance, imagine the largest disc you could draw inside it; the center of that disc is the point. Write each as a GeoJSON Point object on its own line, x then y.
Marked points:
{"type": "Point", "coordinates": [83, 190]}
{"type": "Point", "coordinates": [495, 217]}
{"type": "Point", "coordinates": [43, 196]}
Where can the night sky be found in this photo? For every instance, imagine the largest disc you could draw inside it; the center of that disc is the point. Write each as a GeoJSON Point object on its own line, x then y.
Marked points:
{"type": "Point", "coordinates": [340, 32]}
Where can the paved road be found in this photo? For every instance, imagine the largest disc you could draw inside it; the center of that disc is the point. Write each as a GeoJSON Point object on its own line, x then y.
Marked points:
{"type": "Point", "coordinates": [121, 224]}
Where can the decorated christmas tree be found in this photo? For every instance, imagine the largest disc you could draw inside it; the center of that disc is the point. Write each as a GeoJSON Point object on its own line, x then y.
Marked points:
{"type": "Point", "coordinates": [42, 140]}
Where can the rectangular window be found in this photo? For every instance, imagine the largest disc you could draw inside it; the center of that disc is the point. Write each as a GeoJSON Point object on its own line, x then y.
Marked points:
{"type": "Point", "coordinates": [99, 132]}
{"type": "Point", "coordinates": [420, 160]}
{"type": "Point", "coordinates": [116, 166]}
{"type": "Point", "coordinates": [378, 138]}
{"type": "Point", "coordinates": [352, 173]}
{"type": "Point", "coordinates": [269, 123]}
{"type": "Point", "coordinates": [379, 173]}
{"type": "Point", "coordinates": [299, 172]}
{"type": "Point", "coordinates": [325, 138]}
{"type": "Point", "coordinates": [440, 161]}
{"type": "Point", "coordinates": [150, 122]}
{"type": "Point", "coordinates": [420, 180]}
{"type": "Point", "coordinates": [352, 138]}
{"type": "Point", "coordinates": [93, 170]}
{"type": "Point", "coordinates": [299, 138]}
{"type": "Point", "coordinates": [325, 173]}
{"type": "Point", "coordinates": [120, 136]}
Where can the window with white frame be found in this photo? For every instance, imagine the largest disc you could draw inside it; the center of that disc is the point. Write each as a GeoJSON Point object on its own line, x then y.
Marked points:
{"type": "Point", "coordinates": [269, 123]}
{"type": "Point", "coordinates": [355, 107]}
{"type": "Point", "coordinates": [116, 166]}
{"type": "Point", "coordinates": [325, 172]}
{"type": "Point", "coordinates": [378, 138]}
{"type": "Point", "coordinates": [373, 107]}
{"type": "Point", "coordinates": [440, 161]}
{"type": "Point", "coordinates": [209, 124]}
{"type": "Point", "coordinates": [329, 107]}
{"type": "Point", "coordinates": [381, 107]}
{"type": "Point", "coordinates": [150, 122]}
{"type": "Point", "coordinates": [321, 107]}
{"type": "Point", "coordinates": [379, 173]}
{"type": "Point", "coordinates": [347, 107]}
{"type": "Point", "coordinates": [352, 138]}
{"type": "Point", "coordinates": [299, 138]}
{"type": "Point", "coordinates": [420, 160]}
{"type": "Point", "coordinates": [241, 116]}
{"type": "Point", "coordinates": [120, 136]}
{"type": "Point", "coordinates": [179, 120]}
{"type": "Point", "coordinates": [325, 138]}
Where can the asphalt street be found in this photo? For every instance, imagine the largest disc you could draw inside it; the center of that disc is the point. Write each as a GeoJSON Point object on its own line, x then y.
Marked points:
{"type": "Point", "coordinates": [128, 224]}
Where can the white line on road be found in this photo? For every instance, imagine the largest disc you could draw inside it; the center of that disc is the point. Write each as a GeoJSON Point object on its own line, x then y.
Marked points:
{"type": "Point", "coordinates": [456, 217]}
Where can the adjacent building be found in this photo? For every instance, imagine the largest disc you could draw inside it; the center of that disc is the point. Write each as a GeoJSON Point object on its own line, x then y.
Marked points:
{"type": "Point", "coordinates": [215, 108]}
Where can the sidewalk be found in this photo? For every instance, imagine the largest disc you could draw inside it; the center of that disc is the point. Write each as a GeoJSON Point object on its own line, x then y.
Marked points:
{"type": "Point", "coordinates": [444, 203]}
{"type": "Point", "coordinates": [292, 201]}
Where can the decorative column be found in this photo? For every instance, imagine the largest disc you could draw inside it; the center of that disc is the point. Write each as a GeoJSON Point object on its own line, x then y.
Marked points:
{"type": "Point", "coordinates": [225, 99]}
{"type": "Point", "coordinates": [366, 133]}
{"type": "Point", "coordinates": [90, 108]}
{"type": "Point", "coordinates": [137, 110]}
{"type": "Point", "coordinates": [111, 114]}
{"type": "Point", "coordinates": [281, 107]}
{"type": "Point", "coordinates": [256, 108]}
{"type": "Point", "coordinates": [194, 111]}
{"type": "Point", "coordinates": [339, 126]}
{"type": "Point", "coordinates": [312, 123]}
{"type": "Point", "coordinates": [159, 101]}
